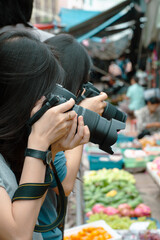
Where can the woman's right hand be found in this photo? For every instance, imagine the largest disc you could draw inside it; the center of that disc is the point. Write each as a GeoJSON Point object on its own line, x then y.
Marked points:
{"type": "Point", "coordinates": [79, 134]}
{"type": "Point", "coordinates": [52, 126]}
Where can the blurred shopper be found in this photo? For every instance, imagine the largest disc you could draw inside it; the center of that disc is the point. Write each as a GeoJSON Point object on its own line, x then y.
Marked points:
{"type": "Point", "coordinates": [135, 94]}
{"type": "Point", "coordinates": [142, 77]}
{"type": "Point", "coordinates": [134, 98]}
{"type": "Point", "coordinates": [16, 15]}
{"type": "Point", "coordinates": [148, 117]}
{"type": "Point", "coordinates": [121, 67]}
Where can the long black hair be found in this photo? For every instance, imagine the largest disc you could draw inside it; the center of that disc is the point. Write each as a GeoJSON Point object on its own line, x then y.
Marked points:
{"type": "Point", "coordinates": [28, 70]}
{"type": "Point", "coordinates": [13, 12]}
{"type": "Point", "coordinates": [74, 60]}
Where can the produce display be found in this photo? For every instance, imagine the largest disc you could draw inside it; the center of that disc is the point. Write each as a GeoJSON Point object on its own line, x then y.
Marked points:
{"type": "Point", "coordinates": [90, 233]}
{"type": "Point", "coordinates": [110, 188]}
{"type": "Point", "coordinates": [130, 144]}
{"type": "Point", "coordinates": [152, 140]}
{"type": "Point", "coordinates": [142, 235]}
{"type": "Point", "coordinates": [107, 175]}
{"type": "Point", "coordinates": [112, 196]}
{"type": "Point", "coordinates": [155, 166]}
{"type": "Point", "coordinates": [153, 169]}
{"type": "Point", "coordinates": [149, 236]}
{"type": "Point", "coordinates": [131, 153]}
{"type": "Point", "coordinates": [117, 222]}
{"type": "Point", "coordinates": [123, 210]}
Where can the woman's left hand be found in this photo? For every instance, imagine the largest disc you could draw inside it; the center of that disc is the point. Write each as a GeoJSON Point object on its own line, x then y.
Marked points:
{"type": "Point", "coordinates": [78, 135]}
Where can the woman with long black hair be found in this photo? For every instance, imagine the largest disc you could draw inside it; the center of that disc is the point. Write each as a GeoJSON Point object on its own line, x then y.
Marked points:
{"type": "Point", "coordinates": [28, 73]}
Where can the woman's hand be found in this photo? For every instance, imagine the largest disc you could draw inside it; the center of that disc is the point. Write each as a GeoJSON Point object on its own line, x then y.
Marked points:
{"type": "Point", "coordinates": [95, 104]}
{"type": "Point", "coordinates": [73, 138]}
{"type": "Point", "coordinates": [52, 126]}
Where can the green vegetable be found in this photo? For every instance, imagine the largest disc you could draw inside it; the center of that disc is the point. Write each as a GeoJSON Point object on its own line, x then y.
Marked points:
{"type": "Point", "coordinates": [121, 223]}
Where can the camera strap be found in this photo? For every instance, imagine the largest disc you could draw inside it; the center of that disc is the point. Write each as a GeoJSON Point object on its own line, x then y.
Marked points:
{"type": "Point", "coordinates": [80, 99]}
{"type": "Point", "coordinates": [44, 108]}
{"type": "Point", "coordinates": [62, 209]}
{"type": "Point", "coordinates": [33, 191]}
{"type": "Point", "coordinates": [88, 92]}
{"type": "Point", "coordinates": [30, 191]}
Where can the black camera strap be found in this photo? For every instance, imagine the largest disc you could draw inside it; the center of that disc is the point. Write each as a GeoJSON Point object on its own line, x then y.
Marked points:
{"type": "Point", "coordinates": [44, 108]}
{"type": "Point", "coordinates": [80, 98]}
{"type": "Point", "coordinates": [88, 93]}
{"type": "Point", "coordinates": [33, 191]}
{"type": "Point", "coordinates": [30, 191]}
{"type": "Point", "coordinates": [62, 209]}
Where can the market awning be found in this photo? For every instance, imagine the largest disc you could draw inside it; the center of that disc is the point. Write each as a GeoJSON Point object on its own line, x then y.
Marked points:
{"type": "Point", "coordinates": [80, 22]}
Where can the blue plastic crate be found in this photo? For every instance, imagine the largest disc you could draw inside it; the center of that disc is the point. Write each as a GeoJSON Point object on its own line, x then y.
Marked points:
{"type": "Point", "coordinates": [123, 138]}
{"type": "Point", "coordinates": [97, 162]}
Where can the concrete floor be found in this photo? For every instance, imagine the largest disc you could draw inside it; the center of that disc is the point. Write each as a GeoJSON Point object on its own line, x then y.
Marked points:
{"type": "Point", "coordinates": [150, 192]}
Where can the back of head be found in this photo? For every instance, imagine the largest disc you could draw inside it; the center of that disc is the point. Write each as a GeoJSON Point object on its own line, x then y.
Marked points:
{"type": "Point", "coordinates": [28, 71]}
{"type": "Point", "coordinates": [134, 79]}
{"type": "Point", "coordinates": [13, 12]}
{"type": "Point", "coordinates": [74, 60]}
{"type": "Point", "coordinates": [153, 100]}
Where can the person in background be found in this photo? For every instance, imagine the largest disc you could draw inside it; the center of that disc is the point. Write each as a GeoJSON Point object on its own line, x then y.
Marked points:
{"type": "Point", "coordinates": [16, 15]}
{"type": "Point", "coordinates": [135, 95]}
{"type": "Point", "coordinates": [29, 71]}
{"type": "Point", "coordinates": [148, 117]}
{"type": "Point", "coordinates": [142, 77]}
{"type": "Point", "coordinates": [133, 99]}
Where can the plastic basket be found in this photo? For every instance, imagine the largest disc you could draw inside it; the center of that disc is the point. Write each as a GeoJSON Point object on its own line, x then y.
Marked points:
{"type": "Point", "coordinates": [97, 162]}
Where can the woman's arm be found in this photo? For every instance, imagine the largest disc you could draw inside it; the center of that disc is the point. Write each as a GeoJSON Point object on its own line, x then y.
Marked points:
{"type": "Point", "coordinates": [17, 219]}
{"type": "Point", "coordinates": [74, 145]}
{"type": "Point", "coordinates": [74, 156]}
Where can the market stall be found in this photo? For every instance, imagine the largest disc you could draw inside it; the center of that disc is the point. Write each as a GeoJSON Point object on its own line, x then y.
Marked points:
{"type": "Point", "coordinates": [119, 188]}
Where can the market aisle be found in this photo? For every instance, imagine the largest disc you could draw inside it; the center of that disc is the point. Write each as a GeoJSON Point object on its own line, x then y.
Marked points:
{"type": "Point", "coordinates": [150, 192]}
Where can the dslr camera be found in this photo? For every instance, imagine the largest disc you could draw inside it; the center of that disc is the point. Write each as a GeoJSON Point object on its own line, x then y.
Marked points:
{"type": "Point", "coordinates": [110, 111]}
{"type": "Point", "coordinates": [102, 131]}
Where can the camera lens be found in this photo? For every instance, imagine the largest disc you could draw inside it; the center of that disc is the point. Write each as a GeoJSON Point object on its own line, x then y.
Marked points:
{"type": "Point", "coordinates": [102, 131]}
{"type": "Point", "coordinates": [111, 111]}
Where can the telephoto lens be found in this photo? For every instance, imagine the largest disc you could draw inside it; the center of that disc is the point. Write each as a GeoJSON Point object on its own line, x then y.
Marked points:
{"type": "Point", "coordinates": [110, 111]}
